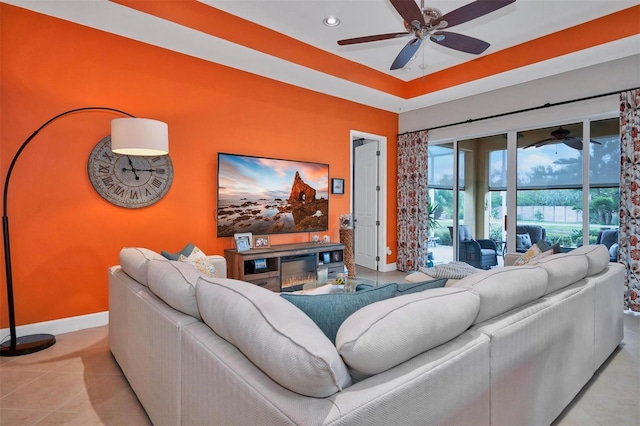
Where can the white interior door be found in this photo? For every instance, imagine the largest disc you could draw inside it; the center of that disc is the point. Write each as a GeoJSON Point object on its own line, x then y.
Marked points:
{"type": "Point", "coordinates": [366, 191]}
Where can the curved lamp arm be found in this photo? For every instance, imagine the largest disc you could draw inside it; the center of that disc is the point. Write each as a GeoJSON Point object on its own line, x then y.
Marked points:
{"type": "Point", "coordinates": [38, 342]}
{"type": "Point", "coordinates": [33, 135]}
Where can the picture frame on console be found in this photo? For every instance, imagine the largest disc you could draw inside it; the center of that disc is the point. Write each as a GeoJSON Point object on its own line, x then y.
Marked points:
{"type": "Point", "coordinates": [261, 241]}
{"type": "Point", "coordinates": [243, 241]}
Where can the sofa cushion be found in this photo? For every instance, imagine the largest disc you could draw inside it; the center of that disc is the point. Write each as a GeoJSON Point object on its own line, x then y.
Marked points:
{"type": "Point", "coordinates": [503, 289]}
{"type": "Point", "coordinates": [186, 252]}
{"type": "Point", "coordinates": [275, 335]}
{"type": "Point", "coordinates": [597, 256]}
{"type": "Point", "coordinates": [563, 269]}
{"type": "Point", "coordinates": [135, 261]}
{"type": "Point", "coordinates": [175, 283]}
{"type": "Point", "coordinates": [328, 311]}
{"type": "Point", "coordinates": [387, 333]}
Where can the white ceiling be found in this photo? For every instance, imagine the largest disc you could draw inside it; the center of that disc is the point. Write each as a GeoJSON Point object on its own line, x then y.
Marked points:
{"type": "Point", "coordinates": [510, 26]}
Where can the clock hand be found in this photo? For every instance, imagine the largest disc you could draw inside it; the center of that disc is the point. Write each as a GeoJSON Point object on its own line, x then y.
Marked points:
{"type": "Point", "coordinates": [133, 169]}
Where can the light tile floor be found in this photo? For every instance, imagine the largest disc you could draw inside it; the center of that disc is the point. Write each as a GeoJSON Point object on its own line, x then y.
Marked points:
{"type": "Point", "coordinates": [78, 382]}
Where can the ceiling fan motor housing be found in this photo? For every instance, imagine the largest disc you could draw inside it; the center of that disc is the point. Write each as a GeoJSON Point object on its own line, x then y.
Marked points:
{"type": "Point", "coordinates": [560, 133]}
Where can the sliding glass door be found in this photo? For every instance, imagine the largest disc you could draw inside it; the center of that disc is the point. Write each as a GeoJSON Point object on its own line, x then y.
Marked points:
{"type": "Point", "coordinates": [564, 180]}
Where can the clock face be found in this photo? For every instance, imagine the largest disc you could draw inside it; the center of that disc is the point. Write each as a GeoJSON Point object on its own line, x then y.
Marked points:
{"type": "Point", "coordinates": [128, 180]}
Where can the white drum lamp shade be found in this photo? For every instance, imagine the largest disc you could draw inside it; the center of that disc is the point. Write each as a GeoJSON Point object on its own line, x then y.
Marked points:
{"type": "Point", "coordinates": [139, 136]}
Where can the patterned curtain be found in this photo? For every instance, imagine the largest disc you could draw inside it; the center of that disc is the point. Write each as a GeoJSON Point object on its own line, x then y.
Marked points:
{"type": "Point", "coordinates": [629, 249]}
{"type": "Point", "coordinates": [412, 201]}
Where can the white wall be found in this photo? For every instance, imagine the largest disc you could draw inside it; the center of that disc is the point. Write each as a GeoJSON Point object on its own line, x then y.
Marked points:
{"type": "Point", "coordinates": [607, 77]}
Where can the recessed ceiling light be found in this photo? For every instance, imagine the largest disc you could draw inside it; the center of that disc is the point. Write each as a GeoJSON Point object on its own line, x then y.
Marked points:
{"type": "Point", "coordinates": [331, 21]}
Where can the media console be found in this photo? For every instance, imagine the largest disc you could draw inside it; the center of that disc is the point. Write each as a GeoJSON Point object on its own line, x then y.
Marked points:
{"type": "Point", "coordinates": [285, 267]}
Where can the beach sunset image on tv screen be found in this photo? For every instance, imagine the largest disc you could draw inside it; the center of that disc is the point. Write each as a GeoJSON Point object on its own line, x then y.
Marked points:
{"type": "Point", "coordinates": [271, 196]}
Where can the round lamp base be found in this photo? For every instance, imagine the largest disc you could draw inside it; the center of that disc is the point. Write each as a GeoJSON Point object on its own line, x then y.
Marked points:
{"type": "Point", "coordinates": [27, 345]}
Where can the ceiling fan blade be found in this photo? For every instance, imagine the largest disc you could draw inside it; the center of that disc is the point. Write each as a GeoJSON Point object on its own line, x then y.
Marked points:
{"type": "Point", "coordinates": [541, 143]}
{"type": "Point", "coordinates": [409, 10]}
{"type": "Point", "coordinates": [460, 42]}
{"type": "Point", "coordinates": [367, 39]}
{"type": "Point", "coordinates": [574, 143]}
{"type": "Point", "coordinates": [406, 54]}
{"type": "Point", "coordinates": [471, 11]}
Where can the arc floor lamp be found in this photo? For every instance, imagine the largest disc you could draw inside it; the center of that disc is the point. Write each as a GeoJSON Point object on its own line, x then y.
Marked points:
{"type": "Point", "coordinates": [129, 136]}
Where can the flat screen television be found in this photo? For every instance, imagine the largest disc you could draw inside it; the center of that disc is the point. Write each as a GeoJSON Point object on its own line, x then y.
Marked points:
{"type": "Point", "coordinates": [271, 196]}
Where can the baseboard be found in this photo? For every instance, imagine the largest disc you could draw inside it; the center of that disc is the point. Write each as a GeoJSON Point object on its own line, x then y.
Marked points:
{"type": "Point", "coordinates": [64, 325]}
{"type": "Point", "coordinates": [389, 267]}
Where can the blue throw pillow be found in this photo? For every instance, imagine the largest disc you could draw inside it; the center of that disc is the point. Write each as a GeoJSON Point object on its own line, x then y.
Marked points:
{"type": "Point", "coordinates": [329, 311]}
{"type": "Point", "coordinates": [186, 252]}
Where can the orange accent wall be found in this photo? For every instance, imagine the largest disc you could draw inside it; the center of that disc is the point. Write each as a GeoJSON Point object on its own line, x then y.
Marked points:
{"type": "Point", "coordinates": [64, 235]}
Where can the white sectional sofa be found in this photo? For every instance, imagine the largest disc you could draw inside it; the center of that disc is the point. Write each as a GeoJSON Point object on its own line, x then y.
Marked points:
{"type": "Point", "coordinates": [507, 346]}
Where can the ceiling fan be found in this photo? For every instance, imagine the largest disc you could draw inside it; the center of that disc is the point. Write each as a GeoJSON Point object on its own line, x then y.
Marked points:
{"type": "Point", "coordinates": [423, 22]}
{"type": "Point", "coordinates": [561, 135]}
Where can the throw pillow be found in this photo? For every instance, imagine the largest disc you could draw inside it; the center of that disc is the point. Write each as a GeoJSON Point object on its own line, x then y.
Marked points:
{"type": "Point", "coordinates": [200, 261]}
{"type": "Point", "coordinates": [543, 245]}
{"type": "Point", "coordinates": [417, 277]}
{"type": "Point", "coordinates": [329, 311]}
{"type": "Point", "coordinates": [613, 251]}
{"type": "Point", "coordinates": [455, 270]}
{"type": "Point", "coordinates": [523, 241]}
{"type": "Point", "coordinates": [556, 248]}
{"type": "Point", "coordinates": [186, 252]}
{"type": "Point", "coordinates": [528, 256]}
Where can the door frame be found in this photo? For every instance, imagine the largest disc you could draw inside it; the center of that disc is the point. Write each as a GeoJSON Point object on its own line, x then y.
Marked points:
{"type": "Point", "coordinates": [382, 249]}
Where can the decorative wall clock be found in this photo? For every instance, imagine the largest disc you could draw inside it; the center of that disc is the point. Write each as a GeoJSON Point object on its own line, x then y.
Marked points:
{"type": "Point", "coordinates": [126, 180]}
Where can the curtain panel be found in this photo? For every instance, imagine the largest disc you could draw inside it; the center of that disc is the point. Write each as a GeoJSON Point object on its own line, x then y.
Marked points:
{"type": "Point", "coordinates": [412, 201]}
{"type": "Point", "coordinates": [629, 232]}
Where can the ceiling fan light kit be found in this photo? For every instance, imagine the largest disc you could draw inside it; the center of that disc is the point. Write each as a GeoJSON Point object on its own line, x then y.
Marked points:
{"type": "Point", "coordinates": [428, 22]}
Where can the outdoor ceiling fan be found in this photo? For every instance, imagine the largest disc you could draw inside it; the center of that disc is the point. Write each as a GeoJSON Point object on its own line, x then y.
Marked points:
{"type": "Point", "coordinates": [422, 22]}
{"type": "Point", "coordinates": [561, 135]}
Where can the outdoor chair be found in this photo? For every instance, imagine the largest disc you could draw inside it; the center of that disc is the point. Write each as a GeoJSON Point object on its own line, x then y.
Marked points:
{"type": "Point", "coordinates": [480, 253]}
{"type": "Point", "coordinates": [609, 237]}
